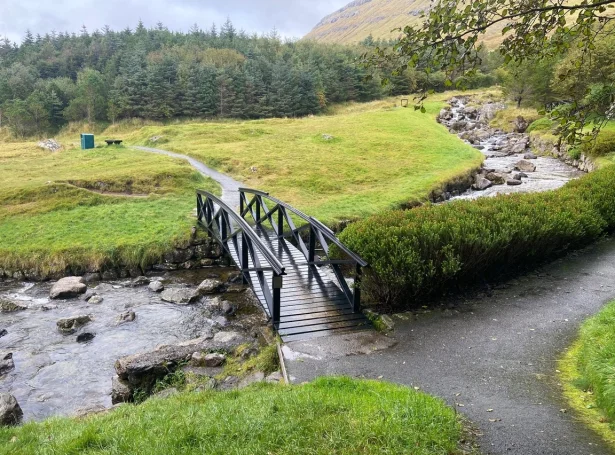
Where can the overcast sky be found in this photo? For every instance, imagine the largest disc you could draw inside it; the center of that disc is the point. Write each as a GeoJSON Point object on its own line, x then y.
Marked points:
{"type": "Point", "coordinates": [292, 18]}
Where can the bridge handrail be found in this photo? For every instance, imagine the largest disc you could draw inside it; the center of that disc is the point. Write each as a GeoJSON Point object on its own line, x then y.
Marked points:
{"type": "Point", "coordinates": [273, 261]}
{"type": "Point", "coordinates": [328, 233]}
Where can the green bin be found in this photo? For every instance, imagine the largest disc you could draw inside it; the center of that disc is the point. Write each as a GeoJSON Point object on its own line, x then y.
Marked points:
{"type": "Point", "coordinates": [87, 141]}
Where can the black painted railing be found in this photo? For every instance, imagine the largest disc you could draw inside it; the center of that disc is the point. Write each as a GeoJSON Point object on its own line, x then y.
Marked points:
{"type": "Point", "coordinates": [279, 216]}
{"type": "Point", "coordinates": [241, 242]}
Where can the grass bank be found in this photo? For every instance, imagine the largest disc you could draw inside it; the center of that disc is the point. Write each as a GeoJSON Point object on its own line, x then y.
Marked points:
{"type": "Point", "coordinates": [588, 374]}
{"type": "Point", "coordinates": [356, 161]}
{"type": "Point", "coordinates": [85, 209]}
{"type": "Point", "coordinates": [330, 415]}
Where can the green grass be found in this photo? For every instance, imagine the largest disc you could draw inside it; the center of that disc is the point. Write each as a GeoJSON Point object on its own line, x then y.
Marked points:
{"type": "Point", "coordinates": [53, 215]}
{"type": "Point", "coordinates": [505, 118]}
{"type": "Point", "coordinates": [329, 416]}
{"type": "Point", "coordinates": [381, 156]}
{"type": "Point", "coordinates": [588, 373]}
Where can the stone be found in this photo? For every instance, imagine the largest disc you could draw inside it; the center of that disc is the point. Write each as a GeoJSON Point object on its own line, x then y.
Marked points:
{"type": "Point", "coordinates": [10, 411]}
{"type": "Point", "coordinates": [228, 308]}
{"type": "Point", "coordinates": [89, 294]}
{"type": "Point", "coordinates": [69, 326]}
{"type": "Point", "coordinates": [181, 296]}
{"type": "Point", "coordinates": [128, 316]}
{"type": "Point", "coordinates": [3, 333]}
{"type": "Point", "coordinates": [259, 376]}
{"type": "Point", "coordinates": [50, 144]}
{"type": "Point", "coordinates": [6, 362]}
{"type": "Point", "coordinates": [519, 175]}
{"type": "Point", "coordinates": [166, 393]}
{"type": "Point", "coordinates": [513, 182]}
{"type": "Point", "coordinates": [210, 286]}
{"type": "Point", "coordinates": [530, 156]}
{"type": "Point", "coordinates": [236, 288]}
{"type": "Point", "coordinates": [96, 300]}
{"type": "Point", "coordinates": [68, 287]}
{"type": "Point", "coordinates": [327, 137]}
{"type": "Point", "coordinates": [219, 322]}
{"type": "Point", "coordinates": [208, 384]}
{"type": "Point", "coordinates": [179, 256]}
{"type": "Point", "coordinates": [525, 166]}
{"type": "Point", "coordinates": [140, 281]}
{"type": "Point", "coordinates": [6, 306]}
{"type": "Point", "coordinates": [520, 125]}
{"type": "Point", "coordinates": [156, 286]}
{"type": "Point", "coordinates": [121, 392]}
{"type": "Point", "coordinates": [481, 183]}
{"type": "Point", "coordinates": [214, 360]}
{"type": "Point", "coordinates": [275, 377]}
{"type": "Point", "coordinates": [85, 337]}
{"type": "Point", "coordinates": [495, 178]}
{"type": "Point", "coordinates": [387, 322]}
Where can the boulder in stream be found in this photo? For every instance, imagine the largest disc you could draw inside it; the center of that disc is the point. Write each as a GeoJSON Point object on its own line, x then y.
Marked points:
{"type": "Point", "coordinates": [156, 286]}
{"type": "Point", "coordinates": [520, 125]}
{"type": "Point", "coordinates": [140, 281]}
{"type": "Point", "coordinates": [180, 296]}
{"type": "Point", "coordinates": [10, 411]}
{"type": "Point", "coordinates": [85, 337]}
{"type": "Point", "coordinates": [210, 286]}
{"type": "Point", "coordinates": [481, 183]}
{"type": "Point", "coordinates": [530, 156]}
{"type": "Point", "coordinates": [68, 287]}
{"type": "Point", "coordinates": [496, 178]}
{"type": "Point", "coordinates": [3, 332]}
{"type": "Point", "coordinates": [69, 326]}
{"type": "Point", "coordinates": [513, 182]}
{"type": "Point", "coordinates": [7, 306]}
{"type": "Point", "coordinates": [525, 166]}
{"type": "Point", "coordinates": [6, 362]}
{"type": "Point", "coordinates": [128, 316]}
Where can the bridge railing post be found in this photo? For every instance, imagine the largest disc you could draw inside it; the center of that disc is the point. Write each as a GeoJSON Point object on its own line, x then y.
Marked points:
{"type": "Point", "coordinates": [277, 291]}
{"type": "Point", "coordinates": [280, 222]}
{"type": "Point", "coordinates": [244, 258]}
{"type": "Point", "coordinates": [312, 247]}
{"type": "Point", "coordinates": [356, 301]}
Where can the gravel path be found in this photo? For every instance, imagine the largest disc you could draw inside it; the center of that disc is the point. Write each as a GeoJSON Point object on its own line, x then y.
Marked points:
{"type": "Point", "coordinates": [495, 353]}
{"type": "Point", "coordinates": [230, 187]}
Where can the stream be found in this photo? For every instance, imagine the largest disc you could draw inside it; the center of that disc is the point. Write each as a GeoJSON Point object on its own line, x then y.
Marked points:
{"type": "Point", "coordinates": [503, 151]}
{"type": "Point", "coordinates": [56, 375]}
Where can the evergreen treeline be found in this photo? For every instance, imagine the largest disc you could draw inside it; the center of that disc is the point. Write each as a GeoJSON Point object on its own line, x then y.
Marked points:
{"type": "Point", "coordinates": [158, 74]}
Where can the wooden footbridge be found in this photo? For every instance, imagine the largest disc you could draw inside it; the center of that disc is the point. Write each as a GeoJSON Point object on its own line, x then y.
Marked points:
{"type": "Point", "coordinates": [302, 289]}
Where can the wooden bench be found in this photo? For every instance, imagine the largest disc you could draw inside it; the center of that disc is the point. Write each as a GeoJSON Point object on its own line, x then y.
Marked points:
{"type": "Point", "coordinates": [113, 141]}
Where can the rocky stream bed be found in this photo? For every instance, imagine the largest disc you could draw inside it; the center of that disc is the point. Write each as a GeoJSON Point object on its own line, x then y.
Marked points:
{"type": "Point", "coordinates": [510, 165]}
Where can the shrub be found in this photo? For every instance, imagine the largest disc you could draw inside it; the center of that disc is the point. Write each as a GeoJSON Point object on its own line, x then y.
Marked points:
{"type": "Point", "coordinates": [601, 146]}
{"type": "Point", "coordinates": [424, 252]}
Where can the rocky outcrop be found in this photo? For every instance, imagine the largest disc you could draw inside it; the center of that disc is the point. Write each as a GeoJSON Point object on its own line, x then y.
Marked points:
{"type": "Point", "coordinates": [10, 411]}
{"type": "Point", "coordinates": [50, 144]}
{"type": "Point", "coordinates": [68, 288]}
{"type": "Point", "coordinates": [546, 146]}
{"type": "Point", "coordinates": [68, 326]}
{"type": "Point", "coordinates": [141, 371]}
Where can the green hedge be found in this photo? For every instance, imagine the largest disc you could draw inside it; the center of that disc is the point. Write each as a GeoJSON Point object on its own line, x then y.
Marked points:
{"type": "Point", "coordinates": [596, 358]}
{"type": "Point", "coordinates": [424, 252]}
{"type": "Point", "coordinates": [603, 145]}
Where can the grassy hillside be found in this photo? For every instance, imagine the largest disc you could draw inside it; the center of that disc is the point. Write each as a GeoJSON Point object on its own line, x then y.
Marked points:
{"type": "Point", "coordinates": [360, 18]}
{"type": "Point", "coordinates": [376, 156]}
{"type": "Point", "coordinates": [119, 206]}
{"type": "Point", "coordinates": [83, 209]}
{"type": "Point", "coordinates": [330, 416]}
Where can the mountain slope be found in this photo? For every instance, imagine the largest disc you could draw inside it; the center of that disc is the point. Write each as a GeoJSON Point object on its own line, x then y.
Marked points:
{"type": "Point", "coordinates": [360, 18]}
